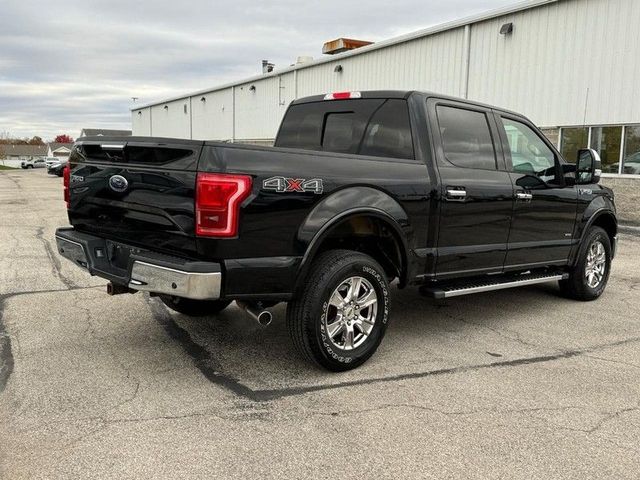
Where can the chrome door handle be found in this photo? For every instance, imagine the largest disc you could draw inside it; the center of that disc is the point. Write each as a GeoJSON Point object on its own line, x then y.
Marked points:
{"type": "Point", "coordinates": [456, 194]}
{"type": "Point", "coordinates": [526, 197]}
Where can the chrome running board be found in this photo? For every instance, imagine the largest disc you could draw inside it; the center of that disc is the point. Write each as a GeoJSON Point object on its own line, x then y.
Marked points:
{"type": "Point", "coordinates": [487, 286]}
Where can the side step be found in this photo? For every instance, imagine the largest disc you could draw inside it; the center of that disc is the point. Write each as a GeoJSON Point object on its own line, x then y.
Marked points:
{"type": "Point", "coordinates": [478, 286]}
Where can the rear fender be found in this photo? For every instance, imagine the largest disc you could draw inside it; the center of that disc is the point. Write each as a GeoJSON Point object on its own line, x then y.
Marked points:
{"type": "Point", "coordinates": [349, 202]}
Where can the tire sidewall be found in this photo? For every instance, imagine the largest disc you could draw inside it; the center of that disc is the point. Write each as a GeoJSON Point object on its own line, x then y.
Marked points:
{"type": "Point", "coordinates": [351, 358]}
{"type": "Point", "coordinates": [595, 235]}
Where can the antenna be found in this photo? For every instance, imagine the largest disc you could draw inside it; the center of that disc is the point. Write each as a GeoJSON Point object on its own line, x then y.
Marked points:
{"type": "Point", "coordinates": [586, 103]}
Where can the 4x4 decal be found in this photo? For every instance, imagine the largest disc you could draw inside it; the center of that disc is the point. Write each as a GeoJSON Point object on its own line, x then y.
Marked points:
{"type": "Point", "coordinates": [284, 185]}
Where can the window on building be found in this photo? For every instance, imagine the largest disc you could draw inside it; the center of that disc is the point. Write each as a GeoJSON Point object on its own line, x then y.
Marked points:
{"type": "Point", "coordinates": [606, 141]}
{"type": "Point", "coordinates": [466, 138]}
{"type": "Point", "coordinates": [631, 157]}
{"type": "Point", "coordinates": [552, 134]}
{"type": "Point", "coordinates": [529, 154]}
{"type": "Point", "coordinates": [389, 132]}
{"type": "Point", "coordinates": [573, 139]}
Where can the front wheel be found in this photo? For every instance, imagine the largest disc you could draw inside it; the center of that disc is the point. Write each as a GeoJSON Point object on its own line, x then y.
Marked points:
{"type": "Point", "coordinates": [588, 279]}
{"type": "Point", "coordinates": [340, 317]}
{"type": "Point", "coordinates": [194, 308]}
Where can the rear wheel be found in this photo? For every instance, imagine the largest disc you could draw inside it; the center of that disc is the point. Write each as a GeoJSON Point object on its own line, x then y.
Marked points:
{"type": "Point", "coordinates": [194, 308]}
{"type": "Point", "coordinates": [588, 279]}
{"type": "Point", "coordinates": [341, 316]}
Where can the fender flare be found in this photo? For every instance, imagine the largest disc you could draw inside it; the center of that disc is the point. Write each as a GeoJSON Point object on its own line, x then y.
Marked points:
{"type": "Point", "coordinates": [587, 221]}
{"type": "Point", "coordinates": [358, 201]}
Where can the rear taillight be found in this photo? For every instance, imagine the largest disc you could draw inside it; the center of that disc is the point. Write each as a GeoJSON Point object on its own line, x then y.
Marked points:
{"type": "Point", "coordinates": [218, 199]}
{"type": "Point", "coordinates": [66, 175]}
{"type": "Point", "coordinates": [342, 95]}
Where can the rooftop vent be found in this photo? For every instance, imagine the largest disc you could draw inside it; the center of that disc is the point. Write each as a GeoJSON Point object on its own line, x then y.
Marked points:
{"type": "Point", "coordinates": [342, 45]}
{"type": "Point", "coordinates": [304, 59]}
{"type": "Point", "coordinates": [267, 67]}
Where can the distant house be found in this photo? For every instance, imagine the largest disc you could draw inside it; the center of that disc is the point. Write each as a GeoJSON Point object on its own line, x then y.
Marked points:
{"type": "Point", "coordinates": [59, 150]}
{"type": "Point", "coordinates": [23, 152]}
{"type": "Point", "coordinates": [103, 132]}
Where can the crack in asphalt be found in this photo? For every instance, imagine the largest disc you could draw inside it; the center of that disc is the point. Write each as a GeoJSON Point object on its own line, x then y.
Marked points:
{"type": "Point", "coordinates": [203, 359]}
{"type": "Point", "coordinates": [56, 266]}
{"type": "Point", "coordinates": [211, 368]}
{"type": "Point", "coordinates": [6, 352]}
{"type": "Point", "coordinates": [607, 416]}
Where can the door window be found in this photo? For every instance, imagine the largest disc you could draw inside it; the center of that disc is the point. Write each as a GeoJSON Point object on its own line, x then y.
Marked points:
{"type": "Point", "coordinates": [466, 138]}
{"type": "Point", "coordinates": [529, 154]}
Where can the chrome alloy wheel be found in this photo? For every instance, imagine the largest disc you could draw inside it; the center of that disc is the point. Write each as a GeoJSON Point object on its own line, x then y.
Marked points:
{"type": "Point", "coordinates": [596, 264]}
{"type": "Point", "coordinates": [351, 313]}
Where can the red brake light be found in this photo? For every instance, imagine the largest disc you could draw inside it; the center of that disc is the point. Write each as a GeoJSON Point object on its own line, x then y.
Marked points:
{"type": "Point", "coordinates": [342, 95]}
{"type": "Point", "coordinates": [218, 199]}
{"type": "Point", "coordinates": [66, 174]}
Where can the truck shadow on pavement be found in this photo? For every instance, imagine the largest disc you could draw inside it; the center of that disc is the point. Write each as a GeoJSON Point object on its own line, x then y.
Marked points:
{"type": "Point", "coordinates": [425, 338]}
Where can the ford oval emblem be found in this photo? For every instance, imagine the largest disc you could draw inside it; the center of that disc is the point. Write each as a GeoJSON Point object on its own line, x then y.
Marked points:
{"type": "Point", "coordinates": [118, 183]}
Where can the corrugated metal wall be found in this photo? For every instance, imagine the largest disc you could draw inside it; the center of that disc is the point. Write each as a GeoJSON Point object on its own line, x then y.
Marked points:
{"type": "Point", "coordinates": [556, 53]}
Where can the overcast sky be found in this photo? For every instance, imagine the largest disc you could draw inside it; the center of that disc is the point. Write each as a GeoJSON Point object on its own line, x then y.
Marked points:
{"type": "Point", "coordinates": [68, 64]}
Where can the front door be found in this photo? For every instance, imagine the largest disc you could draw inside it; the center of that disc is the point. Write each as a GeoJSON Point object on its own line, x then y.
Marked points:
{"type": "Point", "coordinates": [476, 193]}
{"type": "Point", "coordinates": [545, 207]}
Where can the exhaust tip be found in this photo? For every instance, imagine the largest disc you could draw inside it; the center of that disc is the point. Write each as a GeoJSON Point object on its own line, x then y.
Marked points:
{"type": "Point", "coordinates": [265, 317]}
{"type": "Point", "coordinates": [260, 315]}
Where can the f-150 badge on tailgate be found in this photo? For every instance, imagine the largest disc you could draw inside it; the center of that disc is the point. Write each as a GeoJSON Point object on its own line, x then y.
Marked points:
{"type": "Point", "coordinates": [284, 185]}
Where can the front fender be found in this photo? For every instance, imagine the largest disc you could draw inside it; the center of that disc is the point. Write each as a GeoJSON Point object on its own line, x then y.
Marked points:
{"type": "Point", "coordinates": [599, 206]}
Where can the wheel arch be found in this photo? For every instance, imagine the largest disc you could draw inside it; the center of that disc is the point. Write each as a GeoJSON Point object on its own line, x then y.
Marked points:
{"type": "Point", "coordinates": [369, 214]}
{"type": "Point", "coordinates": [604, 218]}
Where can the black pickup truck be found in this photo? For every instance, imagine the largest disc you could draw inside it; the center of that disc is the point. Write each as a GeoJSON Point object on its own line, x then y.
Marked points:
{"type": "Point", "coordinates": [360, 189]}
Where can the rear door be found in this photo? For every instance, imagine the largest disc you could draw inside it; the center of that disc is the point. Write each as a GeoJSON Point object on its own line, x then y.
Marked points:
{"type": "Point", "coordinates": [545, 207]}
{"type": "Point", "coordinates": [139, 191]}
{"type": "Point", "coordinates": [476, 193]}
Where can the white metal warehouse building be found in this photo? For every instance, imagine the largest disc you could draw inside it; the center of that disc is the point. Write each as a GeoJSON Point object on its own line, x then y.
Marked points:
{"type": "Point", "coordinates": [572, 66]}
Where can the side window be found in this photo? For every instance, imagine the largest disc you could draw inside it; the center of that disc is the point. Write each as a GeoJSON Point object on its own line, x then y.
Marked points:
{"type": "Point", "coordinates": [389, 132]}
{"type": "Point", "coordinates": [466, 138]}
{"type": "Point", "coordinates": [529, 154]}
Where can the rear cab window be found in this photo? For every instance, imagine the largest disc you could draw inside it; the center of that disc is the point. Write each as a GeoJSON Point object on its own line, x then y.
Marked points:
{"type": "Point", "coordinates": [373, 127]}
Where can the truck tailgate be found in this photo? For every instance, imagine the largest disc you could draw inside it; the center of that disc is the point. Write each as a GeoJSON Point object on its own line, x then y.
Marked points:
{"type": "Point", "coordinates": [136, 190]}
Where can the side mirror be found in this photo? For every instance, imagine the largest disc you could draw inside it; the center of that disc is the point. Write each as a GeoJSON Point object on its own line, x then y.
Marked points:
{"type": "Point", "coordinates": [588, 167]}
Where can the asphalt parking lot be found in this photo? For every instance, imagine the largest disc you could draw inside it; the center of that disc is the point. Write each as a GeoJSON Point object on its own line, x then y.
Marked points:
{"type": "Point", "coordinates": [511, 384]}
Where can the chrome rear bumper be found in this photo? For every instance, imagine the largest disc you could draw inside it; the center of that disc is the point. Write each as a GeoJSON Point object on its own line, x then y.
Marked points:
{"type": "Point", "coordinates": [146, 271]}
{"type": "Point", "coordinates": [148, 277]}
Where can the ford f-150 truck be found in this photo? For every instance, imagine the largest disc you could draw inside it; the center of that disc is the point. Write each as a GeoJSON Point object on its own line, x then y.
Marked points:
{"type": "Point", "coordinates": [360, 189]}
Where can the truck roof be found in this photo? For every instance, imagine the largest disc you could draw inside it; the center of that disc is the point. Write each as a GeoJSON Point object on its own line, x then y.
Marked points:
{"type": "Point", "coordinates": [405, 94]}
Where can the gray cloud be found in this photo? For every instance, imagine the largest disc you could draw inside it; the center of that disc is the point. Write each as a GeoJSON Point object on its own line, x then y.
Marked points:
{"type": "Point", "coordinates": [68, 64]}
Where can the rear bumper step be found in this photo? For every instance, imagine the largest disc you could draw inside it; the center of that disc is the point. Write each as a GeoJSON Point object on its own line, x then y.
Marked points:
{"type": "Point", "coordinates": [145, 271]}
{"type": "Point", "coordinates": [487, 286]}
